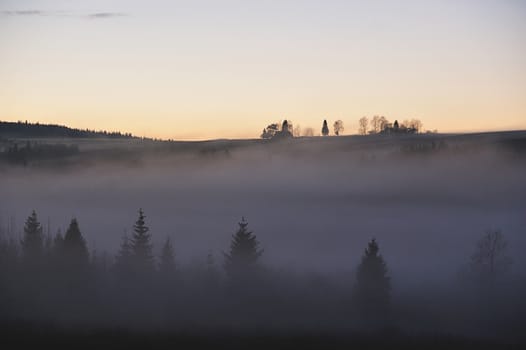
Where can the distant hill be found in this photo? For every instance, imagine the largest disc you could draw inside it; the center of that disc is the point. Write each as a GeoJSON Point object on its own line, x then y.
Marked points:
{"type": "Point", "coordinates": [29, 130]}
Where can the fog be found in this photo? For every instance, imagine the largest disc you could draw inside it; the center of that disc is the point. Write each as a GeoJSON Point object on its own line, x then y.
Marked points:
{"type": "Point", "coordinates": [314, 206]}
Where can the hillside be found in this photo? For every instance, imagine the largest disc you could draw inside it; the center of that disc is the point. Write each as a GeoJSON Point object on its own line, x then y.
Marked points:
{"type": "Point", "coordinates": [29, 130]}
{"type": "Point", "coordinates": [40, 144]}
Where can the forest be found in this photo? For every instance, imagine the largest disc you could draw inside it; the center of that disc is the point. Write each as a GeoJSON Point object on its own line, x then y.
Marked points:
{"type": "Point", "coordinates": [56, 280]}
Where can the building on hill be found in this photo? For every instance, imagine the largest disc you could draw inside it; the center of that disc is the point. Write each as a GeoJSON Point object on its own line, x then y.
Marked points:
{"type": "Point", "coordinates": [397, 129]}
{"type": "Point", "coordinates": [273, 131]}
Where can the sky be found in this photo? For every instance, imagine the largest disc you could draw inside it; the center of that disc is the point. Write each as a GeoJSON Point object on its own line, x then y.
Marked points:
{"type": "Point", "coordinates": [200, 69]}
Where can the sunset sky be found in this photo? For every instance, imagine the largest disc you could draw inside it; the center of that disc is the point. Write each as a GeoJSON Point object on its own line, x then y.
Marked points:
{"type": "Point", "coordinates": [225, 69]}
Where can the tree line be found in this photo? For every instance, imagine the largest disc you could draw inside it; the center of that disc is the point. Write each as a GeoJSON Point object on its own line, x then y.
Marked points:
{"type": "Point", "coordinates": [376, 125]}
{"type": "Point", "coordinates": [28, 266]}
{"type": "Point", "coordinates": [26, 129]}
{"type": "Point", "coordinates": [286, 129]}
{"type": "Point", "coordinates": [380, 125]}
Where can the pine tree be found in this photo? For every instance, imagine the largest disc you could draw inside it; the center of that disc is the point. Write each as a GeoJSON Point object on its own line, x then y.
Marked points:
{"type": "Point", "coordinates": [241, 262]}
{"type": "Point", "coordinates": [325, 128]}
{"type": "Point", "coordinates": [141, 248]}
{"type": "Point", "coordinates": [167, 264]}
{"type": "Point", "coordinates": [32, 243]}
{"type": "Point", "coordinates": [372, 290]}
{"type": "Point", "coordinates": [74, 246]}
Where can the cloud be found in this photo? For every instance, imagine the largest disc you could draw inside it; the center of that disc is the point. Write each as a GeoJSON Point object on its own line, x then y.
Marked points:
{"type": "Point", "coordinates": [101, 15]}
{"type": "Point", "coordinates": [23, 13]}
{"type": "Point", "coordinates": [95, 15]}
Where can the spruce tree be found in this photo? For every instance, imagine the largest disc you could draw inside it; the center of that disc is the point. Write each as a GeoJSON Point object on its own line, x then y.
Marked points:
{"type": "Point", "coordinates": [32, 243]}
{"type": "Point", "coordinates": [167, 261]}
{"type": "Point", "coordinates": [141, 248]}
{"type": "Point", "coordinates": [74, 246]}
{"type": "Point", "coordinates": [241, 262]}
{"type": "Point", "coordinates": [325, 128]}
{"type": "Point", "coordinates": [372, 290]}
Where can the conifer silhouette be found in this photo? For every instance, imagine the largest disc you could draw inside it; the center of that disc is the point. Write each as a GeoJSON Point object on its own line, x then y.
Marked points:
{"type": "Point", "coordinates": [325, 128]}
{"type": "Point", "coordinates": [372, 290]}
{"type": "Point", "coordinates": [141, 248]}
{"type": "Point", "coordinates": [32, 242]}
{"type": "Point", "coordinates": [244, 253]}
{"type": "Point", "coordinates": [74, 246]}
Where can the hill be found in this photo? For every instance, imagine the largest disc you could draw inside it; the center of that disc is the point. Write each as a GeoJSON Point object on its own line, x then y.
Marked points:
{"type": "Point", "coordinates": [42, 144]}
{"type": "Point", "coordinates": [29, 130]}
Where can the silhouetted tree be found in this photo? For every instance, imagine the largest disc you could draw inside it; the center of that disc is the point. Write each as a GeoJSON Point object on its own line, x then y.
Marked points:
{"type": "Point", "coordinates": [395, 125]}
{"type": "Point", "coordinates": [383, 123]}
{"type": "Point", "coordinates": [141, 248]}
{"type": "Point", "coordinates": [167, 260]}
{"type": "Point", "coordinates": [375, 125]}
{"type": "Point", "coordinates": [32, 242]}
{"type": "Point", "coordinates": [308, 132]}
{"type": "Point", "coordinates": [362, 128]}
{"type": "Point", "coordinates": [244, 253]}
{"type": "Point", "coordinates": [490, 259]}
{"type": "Point", "coordinates": [372, 290]}
{"type": "Point", "coordinates": [338, 127]}
{"type": "Point", "coordinates": [74, 246]}
{"type": "Point", "coordinates": [415, 125]}
{"type": "Point", "coordinates": [296, 131]}
{"type": "Point", "coordinates": [270, 131]}
{"type": "Point", "coordinates": [325, 128]}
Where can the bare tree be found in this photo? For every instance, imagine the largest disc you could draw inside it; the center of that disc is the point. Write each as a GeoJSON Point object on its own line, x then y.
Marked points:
{"type": "Point", "coordinates": [383, 123]}
{"type": "Point", "coordinates": [338, 127]}
{"type": "Point", "coordinates": [362, 129]}
{"type": "Point", "coordinates": [296, 132]}
{"type": "Point", "coordinates": [308, 132]}
{"type": "Point", "coordinates": [375, 124]}
{"type": "Point", "coordinates": [416, 124]}
{"type": "Point", "coordinates": [490, 258]}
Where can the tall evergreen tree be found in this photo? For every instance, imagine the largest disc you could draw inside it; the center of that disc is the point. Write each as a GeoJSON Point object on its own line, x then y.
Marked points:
{"type": "Point", "coordinates": [32, 243]}
{"type": "Point", "coordinates": [74, 246]}
{"type": "Point", "coordinates": [167, 261]}
{"type": "Point", "coordinates": [325, 128]}
{"type": "Point", "coordinates": [244, 253]}
{"type": "Point", "coordinates": [141, 248]}
{"type": "Point", "coordinates": [372, 290]}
